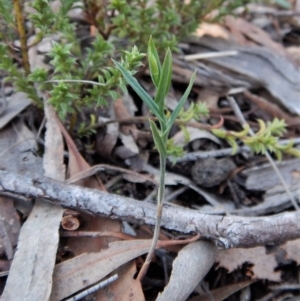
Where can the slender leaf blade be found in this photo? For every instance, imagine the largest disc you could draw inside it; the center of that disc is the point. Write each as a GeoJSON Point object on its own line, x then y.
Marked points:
{"type": "Point", "coordinates": [152, 48]}
{"type": "Point", "coordinates": [158, 141]}
{"type": "Point", "coordinates": [176, 111]}
{"type": "Point", "coordinates": [164, 82]}
{"type": "Point", "coordinates": [154, 62]}
{"type": "Point", "coordinates": [139, 90]}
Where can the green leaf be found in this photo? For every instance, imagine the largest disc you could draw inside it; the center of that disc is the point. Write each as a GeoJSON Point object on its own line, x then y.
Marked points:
{"type": "Point", "coordinates": [139, 90]}
{"type": "Point", "coordinates": [294, 152]}
{"type": "Point", "coordinates": [158, 141]}
{"type": "Point", "coordinates": [285, 147]}
{"type": "Point", "coordinates": [175, 113]}
{"type": "Point", "coordinates": [219, 133]}
{"type": "Point", "coordinates": [154, 62]}
{"type": "Point", "coordinates": [154, 69]}
{"type": "Point", "coordinates": [164, 82]}
{"type": "Point", "coordinates": [278, 155]}
{"type": "Point", "coordinates": [233, 144]}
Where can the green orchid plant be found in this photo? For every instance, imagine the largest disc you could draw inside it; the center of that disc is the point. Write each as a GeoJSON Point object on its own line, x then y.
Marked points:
{"type": "Point", "coordinates": [161, 76]}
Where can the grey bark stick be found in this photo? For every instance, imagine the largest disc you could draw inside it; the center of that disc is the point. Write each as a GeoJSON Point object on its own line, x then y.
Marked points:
{"type": "Point", "coordinates": [226, 230]}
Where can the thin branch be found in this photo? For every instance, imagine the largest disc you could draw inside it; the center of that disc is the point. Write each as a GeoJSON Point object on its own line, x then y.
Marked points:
{"type": "Point", "coordinates": [82, 81]}
{"type": "Point", "coordinates": [226, 230]}
{"type": "Point", "coordinates": [22, 34]}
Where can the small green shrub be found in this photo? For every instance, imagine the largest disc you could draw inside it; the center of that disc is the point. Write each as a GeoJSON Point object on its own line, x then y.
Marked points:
{"type": "Point", "coordinates": [266, 139]}
{"type": "Point", "coordinates": [119, 27]}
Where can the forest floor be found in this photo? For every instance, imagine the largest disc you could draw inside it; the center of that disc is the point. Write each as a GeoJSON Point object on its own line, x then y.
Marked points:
{"type": "Point", "coordinates": [248, 68]}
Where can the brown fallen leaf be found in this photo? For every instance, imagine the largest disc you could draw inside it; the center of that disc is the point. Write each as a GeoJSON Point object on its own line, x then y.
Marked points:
{"type": "Point", "coordinates": [105, 142]}
{"type": "Point", "coordinates": [10, 227]}
{"type": "Point", "coordinates": [34, 260]}
{"type": "Point", "coordinates": [122, 112]}
{"type": "Point", "coordinates": [128, 133]}
{"type": "Point", "coordinates": [17, 149]}
{"type": "Point", "coordinates": [16, 104]}
{"type": "Point", "coordinates": [223, 292]}
{"type": "Point", "coordinates": [77, 165]}
{"type": "Point", "coordinates": [294, 54]}
{"type": "Point", "coordinates": [263, 264]}
{"type": "Point", "coordinates": [84, 270]}
{"type": "Point", "coordinates": [272, 109]}
{"type": "Point", "coordinates": [292, 249]}
{"type": "Point", "coordinates": [127, 289]}
{"type": "Point", "coordinates": [180, 137]}
{"type": "Point", "coordinates": [214, 30]}
{"type": "Point", "coordinates": [253, 33]}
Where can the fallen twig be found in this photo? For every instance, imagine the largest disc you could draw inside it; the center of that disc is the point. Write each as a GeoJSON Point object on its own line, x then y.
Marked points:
{"type": "Point", "coordinates": [227, 231]}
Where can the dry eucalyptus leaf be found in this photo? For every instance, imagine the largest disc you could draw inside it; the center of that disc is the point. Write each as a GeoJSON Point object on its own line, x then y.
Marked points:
{"type": "Point", "coordinates": [122, 112]}
{"type": "Point", "coordinates": [84, 270]}
{"type": "Point", "coordinates": [129, 143]}
{"type": "Point", "coordinates": [92, 223]}
{"type": "Point", "coordinates": [253, 33]}
{"type": "Point", "coordinates": [193, 134]}
{"type": "Point", "coordinates": [106, 144]}
{"type": "Point", "coordinates": [134, 178]}
{"type": "Point", "coordinates": [32, 266]}
{"type": "Point", "coordinates": [17, 146]}
{"type": "Point", "coordinates": [263, 264]}
{"type": "Point", "coordinates": [292, 249]}
{"type": "Point", "coordinates": [123, 152]}
{"type": "Point", "coordinates": [26, 138]}
{"type": "Point", "coordinates": [36, 60]}
{"type": "Point", "coordinates": [15, 105]}
{"type": "Point", "coordinates": [129, 104]}
{"type": "Point", "coordinates": [30, 275]}
{"type": "Point", "coordinates": [209, 97]}
{"type": "Point", "coordinates": [214, 30]}
{"type": "Point", "coordinates": [294, 53]}
{"type": "Point", "coordinates": [124, 288]}
{"type": "Point", "coordinates": [189, 268]}
{"type": "Point", "coordinates": [223, 292]}
{"type": "Point", "coordinates": [10, 226]}
{"type": "Point", "coordinates": [253, 66]}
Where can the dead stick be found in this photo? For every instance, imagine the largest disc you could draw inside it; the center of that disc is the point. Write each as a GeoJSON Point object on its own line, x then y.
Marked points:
{"type": "Point", "coordinates": [227, 231]}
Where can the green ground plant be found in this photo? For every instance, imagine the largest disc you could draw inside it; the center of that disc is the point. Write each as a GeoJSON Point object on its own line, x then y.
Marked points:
{"type": "Point", "coordinates": [84, 77]}
{"type": "Point", "coordinates": [161, 76]}
{"type": "Point", "coordinates": [118, 29]}
{"type": "Point", "coordinates": [266, 139]}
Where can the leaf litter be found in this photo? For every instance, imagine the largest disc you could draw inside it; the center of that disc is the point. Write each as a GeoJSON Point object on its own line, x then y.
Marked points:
{"type": "Point", "coordinates": [36, 259]}
{"type": "Point", "coordinates": [266, 73]}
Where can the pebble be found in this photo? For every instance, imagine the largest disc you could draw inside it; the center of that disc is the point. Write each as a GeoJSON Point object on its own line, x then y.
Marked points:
{"type": "Point", "coordinates": [211, 172]}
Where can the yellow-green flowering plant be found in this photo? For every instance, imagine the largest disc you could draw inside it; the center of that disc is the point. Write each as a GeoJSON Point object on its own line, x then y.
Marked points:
{"type": "Point", "coordinates": [266, 139]}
